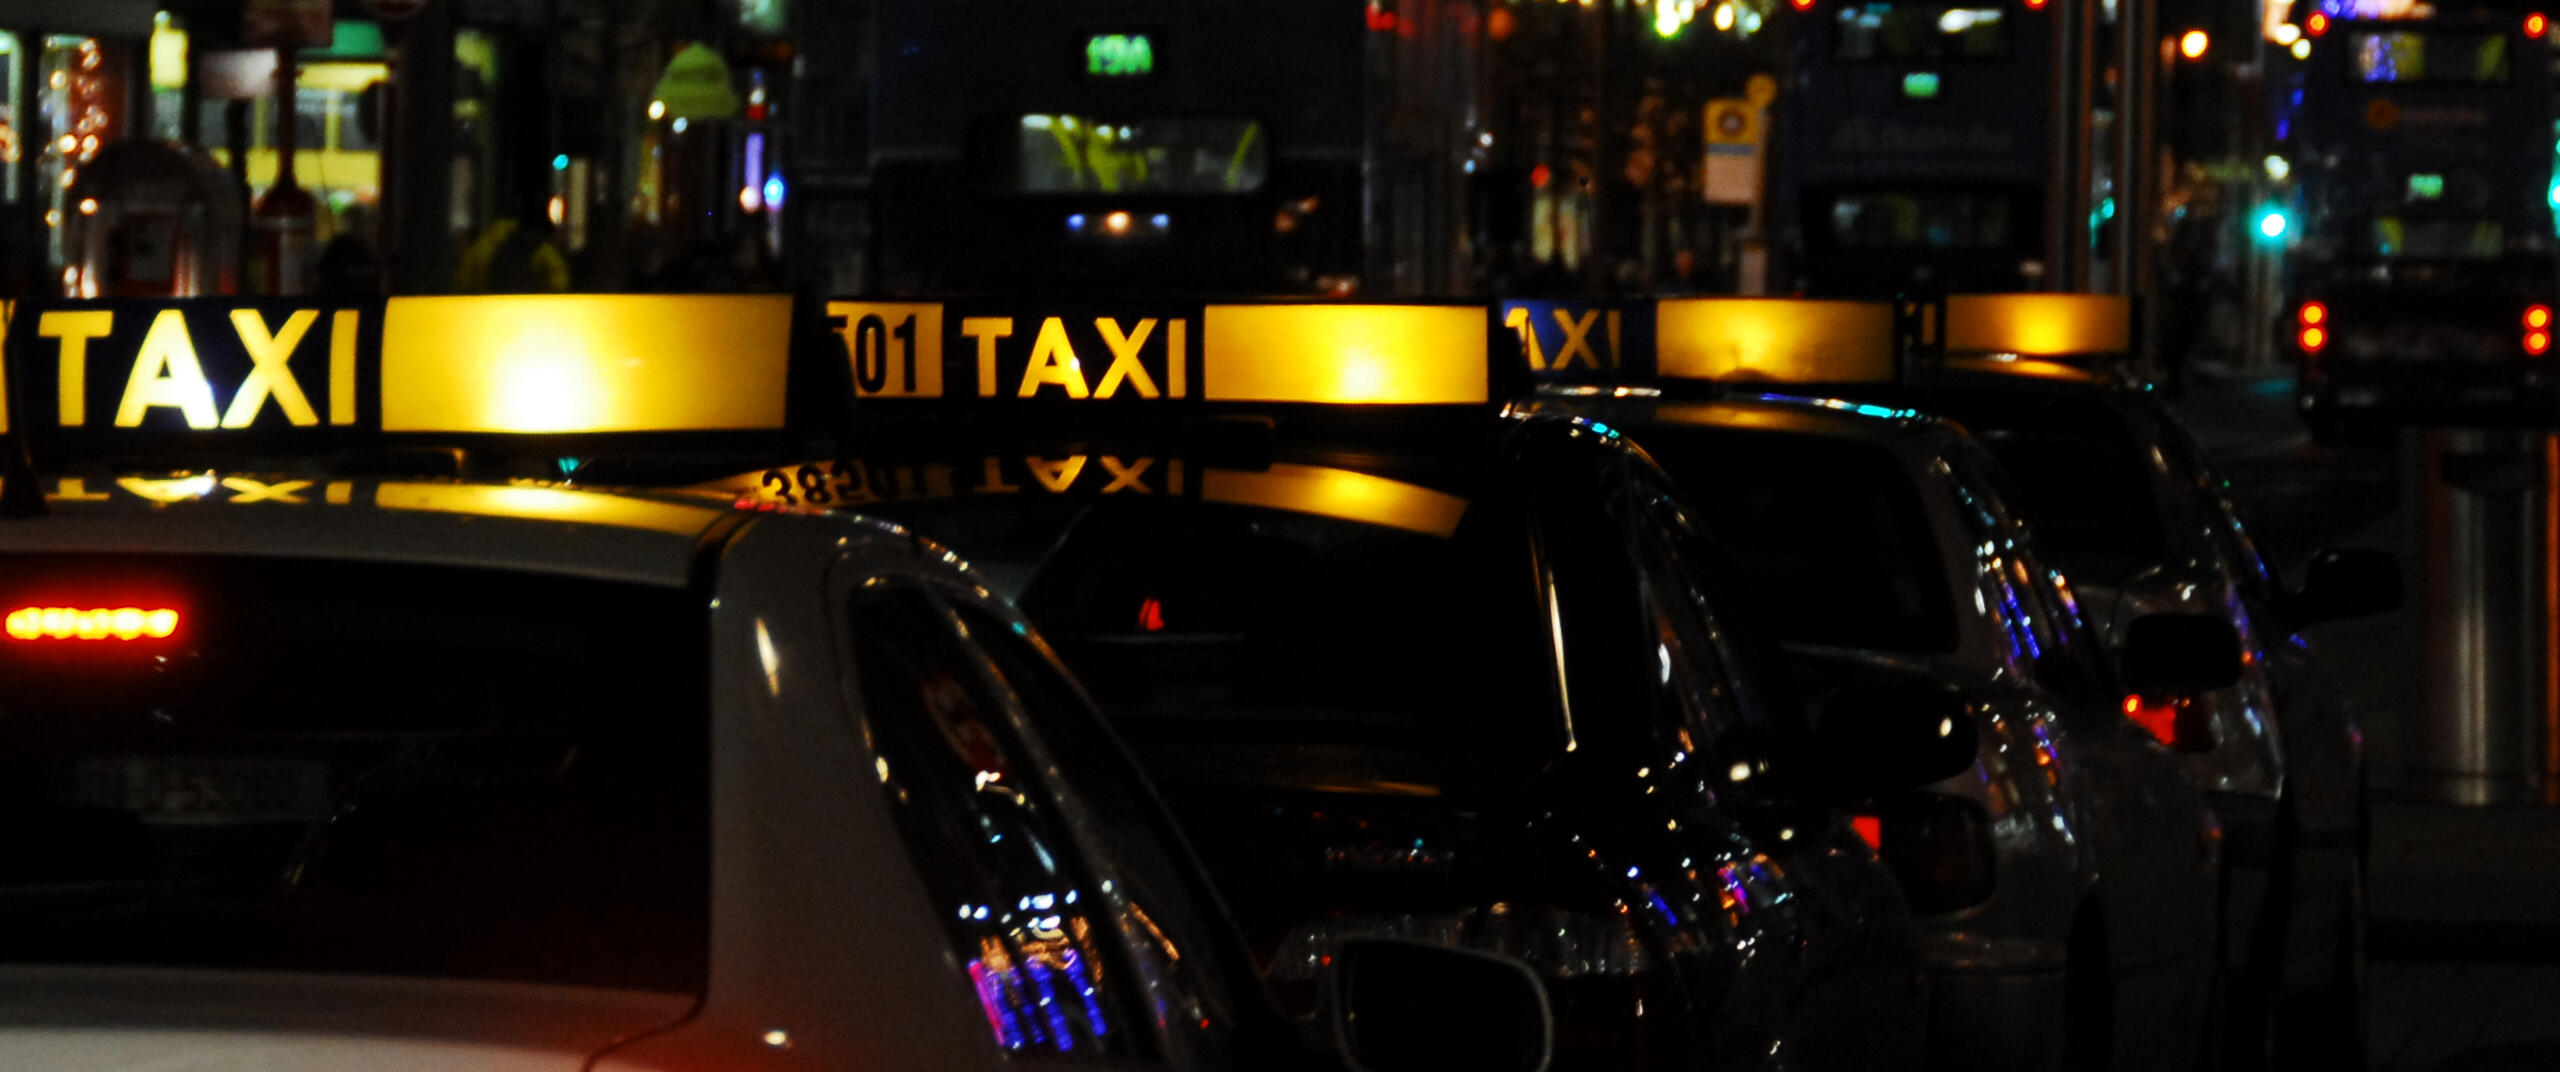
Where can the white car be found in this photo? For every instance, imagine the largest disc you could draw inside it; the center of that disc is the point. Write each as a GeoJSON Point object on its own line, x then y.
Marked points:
{"type": "Point", "coordinates": [308, 772]}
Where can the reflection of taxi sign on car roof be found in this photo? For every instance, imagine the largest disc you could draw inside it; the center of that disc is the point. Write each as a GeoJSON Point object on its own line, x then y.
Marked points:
{"type": "Point", "coordinates": [1323, 491]}
{"type": "Point", "coordinates": [1137, 351]}
{"type": "Point", "coordinates": [200, 372]}
{"type": "Point", "coordinates": [1788, 340]}
{"type": "Point", "coordinates": [2039, 325]}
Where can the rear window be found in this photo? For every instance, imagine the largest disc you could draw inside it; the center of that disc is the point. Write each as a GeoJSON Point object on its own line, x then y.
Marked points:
{"type": "Point", "coordinates": [352, 767]}
{"type": "Point", "coordinates": [1831, 539]}
{"type": "Point", "coordinates": [1269, 645]}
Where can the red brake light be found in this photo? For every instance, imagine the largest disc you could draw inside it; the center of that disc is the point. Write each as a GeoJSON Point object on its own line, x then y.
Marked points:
{"type": "Point", "coordinates": [2535, 25]}
{"type": "Point", "coordinates": [2312, 340]}
{"type": "Point", "coordinates": [1807, 5]}
{"type": "Point", "coordinates": [2160, 720]}
{"type": "Point", "coordinates": [2312, 313]}
{"type": "Point", "coordinates": [2537, 317]}
{"type": "Point", "coordinates": [2316, 25]}
{"type": "Point", "coordinates": [2537, 343]}
{"type": "Point", "coordinates": [1870, 830]}
{"type": "Point", "coordinates": [98, 623]}
{"type": "Point", "coordinates": [2035, 5]}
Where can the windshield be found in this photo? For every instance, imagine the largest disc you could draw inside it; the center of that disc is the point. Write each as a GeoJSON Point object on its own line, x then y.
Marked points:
{"type": "Point", "coordinates": [1924, 217]}
{"type": "Point", "coordinates": [1922, 31]}
{"type": "Point", "coordinates": [353, 767]}
{"type": "Point", "coordinates": [2398, 238]}
{"type": "Point", "coordinates": [1276, 644]}
{"type": "Point", "coordinates": [1833, 544]}
{"type": "Point", "coordinates": [2432, 57]}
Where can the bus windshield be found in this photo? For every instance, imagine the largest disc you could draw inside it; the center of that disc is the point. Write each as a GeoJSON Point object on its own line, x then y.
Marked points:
{"type": "Point", "coordinates": [2428, 57]}
{"type": "Point", "coordinates": [1928, 218]}
{"type": "Point", "coordinates": [2393, 238]}
{"type": "Point", "coordinates": [1892, 30]}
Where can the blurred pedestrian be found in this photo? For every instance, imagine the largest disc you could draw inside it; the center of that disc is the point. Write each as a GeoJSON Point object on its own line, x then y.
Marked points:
{"type": "Point", "coordinates": [515, 255]}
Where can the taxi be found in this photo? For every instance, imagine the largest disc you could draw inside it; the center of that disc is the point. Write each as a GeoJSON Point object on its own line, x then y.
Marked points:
{"type": "Point", "coordinates": [345, 764]}
{"type": "Point", "coordinates": [2125, 500]}
{"type": "Point", "coordinates": [1410, 664]}
{"type": "Point", "coordinates": [2068, 881]}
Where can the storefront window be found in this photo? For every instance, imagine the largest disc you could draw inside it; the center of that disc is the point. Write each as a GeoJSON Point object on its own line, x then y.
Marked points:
{"type": "Point", "coordinates": [11, 113]}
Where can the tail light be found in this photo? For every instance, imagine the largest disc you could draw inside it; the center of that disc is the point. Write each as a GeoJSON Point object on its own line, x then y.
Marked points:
{"type": "Point", "coordinates": [2537, 330]}
{"type": "Point", "coordinates": [2535, 25]}
{"type": "Point", "coordinates": [1938, 848]}
{"type": "Point", "coordinates": [2160, 720]}
{"type": "Point", "coordinates": [2311, 327]}
{"type": "Point", "coordinates": [1807, 5]}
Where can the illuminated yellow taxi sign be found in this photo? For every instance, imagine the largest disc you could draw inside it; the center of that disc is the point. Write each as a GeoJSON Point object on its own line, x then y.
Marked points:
{"type": "Point", "coordinates": [98, 370]}
{"type": "Point", "coordinates": [163, 365]}
{"type": "Point", "coordinates": [2039, 325]}
{"type": "Point", "coordinates": [1785, 340]}
{"type": "Point", "coordinates": [1328, 353]}
{"type": "Point", "coordinates": [585, 363]}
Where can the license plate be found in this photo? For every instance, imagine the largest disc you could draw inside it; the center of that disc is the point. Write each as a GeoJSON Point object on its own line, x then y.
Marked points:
{"type": "Point", "coordinates": [206, 790]}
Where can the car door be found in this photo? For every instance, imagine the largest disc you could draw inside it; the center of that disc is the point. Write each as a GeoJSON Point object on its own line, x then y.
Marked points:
{"type": "Point", "coordinates": [1857, 934]}
{"type": "Point", "coordinates": [1081, 937]}
{"type": "Point", "coordinates": [2158, 842]}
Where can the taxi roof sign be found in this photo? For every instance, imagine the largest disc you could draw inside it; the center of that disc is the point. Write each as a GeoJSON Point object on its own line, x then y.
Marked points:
{"type": "Point", "coordinates": [1785, 340]}
{"type": "Point", "coordinates": [2039, 325]}
{"type": "Point", "coordinates": [121, 377]}
{"type": "Point", "coordinates": [571, 363]}
{"type": "Point", "coordinates": [1160, 351]}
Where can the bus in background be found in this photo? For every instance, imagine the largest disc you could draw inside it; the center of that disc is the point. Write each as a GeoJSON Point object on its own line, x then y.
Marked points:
{"type": "Point", "coordinates": [1963, 145]}
{"type": "Point", "coordinates": [1253, 146]}
{"type": "Point", "coordinates": [2424, 284]}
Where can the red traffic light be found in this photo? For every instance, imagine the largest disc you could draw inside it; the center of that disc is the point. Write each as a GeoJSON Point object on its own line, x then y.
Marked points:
{"type": "Point", "coordinates": [2535, 25]}
{"type": "Point", "coordinates": [2316, 25]}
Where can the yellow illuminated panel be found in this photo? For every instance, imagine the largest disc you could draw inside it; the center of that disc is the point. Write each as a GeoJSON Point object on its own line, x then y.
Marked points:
{"type": "Point", "coordinates": [544, 504]}
{"type": "Point", "coordinates": [2039, 325]}
{"type": "Point", "coordinates": [102, 623]}
{"type": "Point", "coordinates": [585, 363]}
{"type": "Point", "coordinates": [1344, 354]}
{"type": "Point", "coordinates": [1308, 489]}
{"type": "Point", "coordinates": [1787, 340]}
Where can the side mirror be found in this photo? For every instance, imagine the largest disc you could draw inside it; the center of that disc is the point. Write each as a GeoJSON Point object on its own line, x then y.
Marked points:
{"type": "Point", "coordinates": [1885, 738]}
{"type": "Point", "coordinates": [2344, 584]}
{"type": "Point", "coordinates": [1408, 1007]}
{"type": "Point", "coordinates": [2177, 656]}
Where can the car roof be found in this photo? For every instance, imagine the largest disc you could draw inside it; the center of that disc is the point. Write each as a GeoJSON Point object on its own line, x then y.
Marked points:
{"type": "Point", "coordinates": [641, 538]}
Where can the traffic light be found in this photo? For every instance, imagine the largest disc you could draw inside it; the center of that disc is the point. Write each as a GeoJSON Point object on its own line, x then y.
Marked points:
{"type": "Point", "coordinates": [2273, 223]}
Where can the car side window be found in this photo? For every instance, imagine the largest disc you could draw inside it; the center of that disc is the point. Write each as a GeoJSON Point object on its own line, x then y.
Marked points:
{"type": "Point", "coordinates": [1695, 658]}
{"type": "Point", "coordinates": [1020, 904]}
{"type": "Point", "coordinates": [2035, 602]}
{"type": "Point", "coordinates": [1171, 918]}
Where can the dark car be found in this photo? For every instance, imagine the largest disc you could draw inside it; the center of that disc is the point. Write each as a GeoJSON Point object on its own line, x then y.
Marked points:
{"type": "Point", "coordinates": [2141, 524]}
{"type": "Point", "coordinates": [1445, 673]}
{"type": "Point", "coordinates": [2067, 880]}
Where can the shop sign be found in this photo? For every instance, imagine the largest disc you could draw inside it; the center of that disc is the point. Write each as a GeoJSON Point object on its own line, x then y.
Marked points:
{"type": "Point", "coordinates": [696, 86]}
{"type": "Point", "coordinates": [284, 23]}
